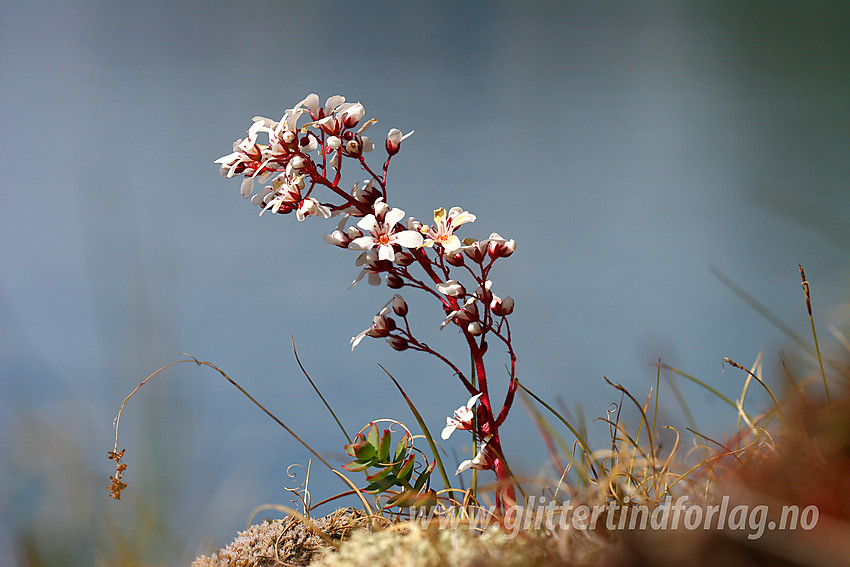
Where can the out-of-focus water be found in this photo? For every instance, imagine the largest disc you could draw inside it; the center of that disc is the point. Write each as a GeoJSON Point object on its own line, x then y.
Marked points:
{"type": "Point", "coordinates": [627, 147]}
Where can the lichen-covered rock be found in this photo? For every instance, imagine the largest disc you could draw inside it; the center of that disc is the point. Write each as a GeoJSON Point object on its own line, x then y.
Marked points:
{"type": "Point", "coordinates": [417, 547]}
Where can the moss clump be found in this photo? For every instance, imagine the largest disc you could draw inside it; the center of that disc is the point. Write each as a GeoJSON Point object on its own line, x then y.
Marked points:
{"type": "Point", "coordinates": [285, 542]}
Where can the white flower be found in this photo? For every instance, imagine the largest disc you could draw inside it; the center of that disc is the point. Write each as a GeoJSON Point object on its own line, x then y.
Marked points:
{"type": "Point", "coordinates": [466, 314]}
{"type": "Point", "coordinates": [462, 419]}
{"type": "Point", "coordinates": [382, 235]}
{"type": "Point", "coordinates": [351, 114]}
{"type": "Point", "coordinates": [477, 462]}
{"type": "Point", "coordinates": [312, 105]}
{"type": "Point", "coordinates": [382, 326]}
{"type": "Point", "coordinates": [444, 226]}
{"type": "Point", "coordinates": [312, 207]}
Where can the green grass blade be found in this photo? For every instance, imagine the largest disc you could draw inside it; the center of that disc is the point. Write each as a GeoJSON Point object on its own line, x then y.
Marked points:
{"type": "Point", "coordinates": [321, 397]}
{"type": "Point", "coordinates": [814, 331]}
{"type": "Point", "coordinates": [701, 383]}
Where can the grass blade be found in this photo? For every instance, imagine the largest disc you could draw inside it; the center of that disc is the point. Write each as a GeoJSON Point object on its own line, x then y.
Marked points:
{"type": "Point", "coordinates": [814, 332]}
{"type": "Point", "coordinates": [321, 397]}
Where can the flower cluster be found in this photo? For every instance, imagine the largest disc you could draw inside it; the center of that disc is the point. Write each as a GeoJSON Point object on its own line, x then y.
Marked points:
{"type": "Point", "coordinates": [308, 149]}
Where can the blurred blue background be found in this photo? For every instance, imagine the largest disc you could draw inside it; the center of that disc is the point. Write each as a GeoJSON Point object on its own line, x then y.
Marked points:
{"type": "Point", "coordinates": [626, 146]}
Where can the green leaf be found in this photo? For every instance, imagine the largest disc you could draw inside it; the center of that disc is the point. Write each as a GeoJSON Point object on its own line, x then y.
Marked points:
{"type": "Point", "coordinates": [364, 451]}
{"type": "Point", "coordinates": [349, 449]}
{"type": "Point", "coordinates": [357, 466]}
{"type": "Point", "coordinates": [372, 435]}
{"type": "Point", "coordinates": [401, 448]}
{"type": "Point", "coordinates": [384, 447]}
{"type": "Point", "coordinates": [420, 482]}
{"type": "Point", "coordinates": [406, 469]}
{"type": "Point", "coordinates": [427, 499]}
{"type": "Point", "coordinates": [380, 474]}
{"type": "Point", "coordinates": [402, 499]}
{"type": "Point", "coordinates": [381, 485]}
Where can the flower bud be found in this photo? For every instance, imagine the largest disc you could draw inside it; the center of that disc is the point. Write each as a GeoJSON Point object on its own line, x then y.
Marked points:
{"type": "Point", "coordinates": [381, 209]}
{"type": "Point", "coordinates": [394, 139]}
{"type": "Point", "coordinates": [452, 288]}
{"type": "Point", "coordinates": [413, 224]}
{"type": "Point", "coordinates": [476, 250]}
{"type": "Point", "coordinates": [333, 143]}
{"type": "Point", "coordinates": [501, 249]}
{"type": "Point", "coordinates": [398, 343]}
{"type": "Point", "coordinates": [394, 281]}
{"type": "Point", "coordinates": [502, 307]}
{"type": "Point", "coordinates": [483, 292]}
{"type": "Point", "coordinates": [399, 306]}
{"type": "Point", "coordinates": [381, 326]}
{"type": "Point", "coordinates": [367, 194]}
{"type": "Point", "coordinates": [297, 162]}
{"type": "Point", "coordinates": [470, 310]}
{"type": "Point", "coordinates": [393, 144]}
{"type": "Point", "coordinates": [353, 114]}
{"type": "Point", "coordinates": [404, 258]}
{"type": "Point", "coordinates": [288, 137]}
{"type": "Point", "coordinates": [455, 259]}
{"type": "Point", "coordinates": [475, 328]}
{"type": "Point", "coordinates": [338, 238]}
{"type": "Point", "coordinates": [353, 232]}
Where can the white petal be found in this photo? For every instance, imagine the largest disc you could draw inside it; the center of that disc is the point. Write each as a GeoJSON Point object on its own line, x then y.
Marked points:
{"type": "Point", "coordinates": [369, 222]}
{"type": "Point", "coordinates": [393, 216]}
{"type": "Point", "coordinates": [356, 340]}
{"type": "Point", "coordinates": [464, 414]}
{"type": "Point", "coordinates": [463, 466]}
{"type": "Point", "coordinates": [386, 252]}
{"type": "Point", "coordinates": [311, 102]}
{"type": "Point", "coordinates": [448, 429]}
{"type": "Point", "coordinates": [362, 243]}
{"type": "Point", "coordinates": [462, 218]}
{"type": "Point", "coordinates": [448, 319]}
{"type": "Point", "coordinates": [358, 278]}
{"type": "Point", "coordinates": [247, 187]}
{"type": "Point", "coordinates": [368, 124]}
{"type": "Point", "coordinates": [408, 239]}
{"type": "Point", "coordinates": [333, 102]}
{"type": "Point", "coordinates": [473, 399]}
{"type": "Point", "coordinates": [451, 244]}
